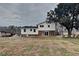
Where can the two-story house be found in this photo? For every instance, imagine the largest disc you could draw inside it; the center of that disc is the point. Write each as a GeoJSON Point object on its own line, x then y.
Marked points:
{"type": "Point", "coordinates": [42, 29]}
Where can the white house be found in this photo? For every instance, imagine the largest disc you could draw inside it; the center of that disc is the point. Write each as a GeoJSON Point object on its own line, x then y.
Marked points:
{"type": "Point", "coordinates": [42, 29]}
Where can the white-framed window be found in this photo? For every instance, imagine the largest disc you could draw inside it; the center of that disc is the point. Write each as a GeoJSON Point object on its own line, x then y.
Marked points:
{"type": "Point", "coordinates": [30, 29]}
{"type": "Point", "coordinates": [41, 25]}
{"type": "Point", "coordinates": [24, 30]}
{"type": "Point", "coordinates": [34, 30]}
{"type": "Point", "coordinates": [48, 25]}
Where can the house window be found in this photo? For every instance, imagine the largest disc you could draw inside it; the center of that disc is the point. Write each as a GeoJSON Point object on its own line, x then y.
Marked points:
{"type": "Point", "coordinates": [34, 30]}
{"type": "Point", "coordinates": [48, 25]}
{"type": "Point", "coordinates": [24, 30]}
{"type": "Point", "coordinates": [30, 29]}
{"type": "Point", "coordinates": [41, 25]}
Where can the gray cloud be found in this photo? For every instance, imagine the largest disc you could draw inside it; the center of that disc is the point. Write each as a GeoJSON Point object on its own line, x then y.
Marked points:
{"type": "Point", "coordinates": [24, 13]}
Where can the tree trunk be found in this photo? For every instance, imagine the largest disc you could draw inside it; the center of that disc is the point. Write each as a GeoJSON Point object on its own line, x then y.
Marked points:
{"type": "Point", "coordinates": [56, 29]}
{"type": "Point", "coordinates": [69, 32]}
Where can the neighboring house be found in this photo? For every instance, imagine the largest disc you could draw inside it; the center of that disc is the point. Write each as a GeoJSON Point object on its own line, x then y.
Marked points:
{"type": "Point", "coordinates": [5, 32]}
{"type": "Point", "coordinates": [42, 29]}
{"type": "Point", "coordinates": [63, 31]}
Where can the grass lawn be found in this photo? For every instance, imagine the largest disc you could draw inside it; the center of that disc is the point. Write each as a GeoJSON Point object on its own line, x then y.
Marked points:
{"type": "Point", "coordinates": [48, 46]}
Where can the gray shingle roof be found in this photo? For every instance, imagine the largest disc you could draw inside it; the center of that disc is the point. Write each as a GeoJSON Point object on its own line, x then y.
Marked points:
{"type": "Point", "coordinates": [4, 29]}
{"type": "Point", "coordinates": [29, 27]}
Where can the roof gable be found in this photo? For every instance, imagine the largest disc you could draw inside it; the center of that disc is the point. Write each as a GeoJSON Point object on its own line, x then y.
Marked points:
{"type": "Point", "coordinates": [44, 22]}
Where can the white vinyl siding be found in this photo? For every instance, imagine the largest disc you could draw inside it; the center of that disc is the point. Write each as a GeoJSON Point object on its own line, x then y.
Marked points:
{"type": "Point", "coordinates": [47, 26]}
{"type": "Point", "coordinates": [28, 31]}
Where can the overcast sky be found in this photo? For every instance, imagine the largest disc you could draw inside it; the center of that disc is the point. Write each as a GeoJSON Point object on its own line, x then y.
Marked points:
{"type": "Point", "coordinates": [24, 14]}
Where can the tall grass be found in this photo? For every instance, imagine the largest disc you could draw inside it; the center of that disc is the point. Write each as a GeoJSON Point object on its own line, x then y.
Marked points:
{"type": "Point", "coordinates": [43, 46]}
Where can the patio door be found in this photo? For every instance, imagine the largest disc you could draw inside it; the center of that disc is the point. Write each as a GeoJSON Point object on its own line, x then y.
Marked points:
{"type": "Point", "coordinates": [46, 33]}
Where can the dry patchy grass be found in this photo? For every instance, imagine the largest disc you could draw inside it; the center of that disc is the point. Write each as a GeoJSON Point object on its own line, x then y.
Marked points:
{"type": "Point", "coordinates": [43, 46]}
